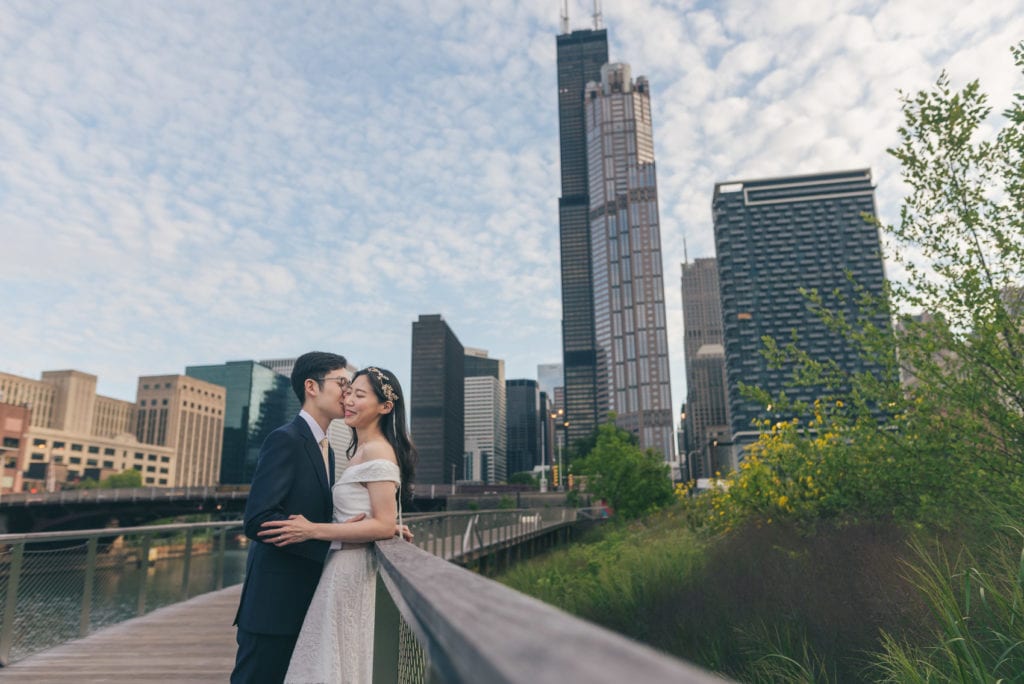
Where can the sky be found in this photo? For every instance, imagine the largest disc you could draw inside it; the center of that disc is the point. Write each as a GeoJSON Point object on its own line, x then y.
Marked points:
{"type": "Point", "coordinates": [194, 182]}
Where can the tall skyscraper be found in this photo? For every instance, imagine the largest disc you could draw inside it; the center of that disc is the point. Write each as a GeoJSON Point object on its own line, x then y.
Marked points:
{"type": "Point", "coordinates": [707, 414]}
{"type": "Point", "coordinates": [580, 56]}
{"type": "Point", "coordinates": [486, 435]}
{"type": "Point", "coordinates": [628, 288]}
{"type": "Point", "coordinates": [524, 425]}
{"type": "Point", "coordinates": [437, 404]}
{"type": "Point", "coordinates": [257, 402]}
{"type": "Point", "coordinates": [773, 237]}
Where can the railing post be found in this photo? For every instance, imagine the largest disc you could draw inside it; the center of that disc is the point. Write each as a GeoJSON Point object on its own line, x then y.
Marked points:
{"type": "Point", "coordinates": [219, 569]}
{"type": "Point", "coordinates": [386, 630]}
{"type": "Point", "coordinates": [90, 574]}
{"type": "Point", "coordinates": [143, 573]}
{"type": "Point", "coordinates": [188, 563]}
{"type": "Point", "coordinates": [11, 604]}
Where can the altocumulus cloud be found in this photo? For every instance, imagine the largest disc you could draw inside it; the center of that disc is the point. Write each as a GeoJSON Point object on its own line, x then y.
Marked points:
{"type": "Point", "coordinates": [196, 182]}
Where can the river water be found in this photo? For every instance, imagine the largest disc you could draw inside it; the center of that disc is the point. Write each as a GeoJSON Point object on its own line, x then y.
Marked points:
{"type": "Point", "coordinates": [49, 606]}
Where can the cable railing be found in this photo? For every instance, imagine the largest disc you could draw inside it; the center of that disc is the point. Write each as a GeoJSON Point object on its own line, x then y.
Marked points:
{"type": "Point", "coordinates": [56, 586]}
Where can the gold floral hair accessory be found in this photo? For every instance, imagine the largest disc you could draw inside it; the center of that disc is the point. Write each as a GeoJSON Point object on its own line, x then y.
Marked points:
{"type": "Point", "coordinates": [385, 387]}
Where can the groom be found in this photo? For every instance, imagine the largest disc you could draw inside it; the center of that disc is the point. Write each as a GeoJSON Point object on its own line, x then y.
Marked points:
{"type": "Point", "coordinates": [293, 476]}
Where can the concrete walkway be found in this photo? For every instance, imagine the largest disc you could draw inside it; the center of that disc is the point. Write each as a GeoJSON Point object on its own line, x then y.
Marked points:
{"type": "Point", "coordinates": [186, 642]}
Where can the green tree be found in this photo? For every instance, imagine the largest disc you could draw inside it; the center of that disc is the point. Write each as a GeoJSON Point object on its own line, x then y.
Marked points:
{"type": "Point", "coordinates": [123, 480]}
{"type": "Point", "coordinates": [633, 482]}
{"type": "Point", "coordinates": [524, 477]}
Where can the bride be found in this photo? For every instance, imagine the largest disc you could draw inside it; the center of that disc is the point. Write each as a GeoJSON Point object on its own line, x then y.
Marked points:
{"type": "Point", "coordinates": [336, 641]}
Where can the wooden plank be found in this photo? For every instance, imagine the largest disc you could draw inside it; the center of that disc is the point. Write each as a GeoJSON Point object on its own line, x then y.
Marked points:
{"type": "Point", "coordinates": [192, 641]}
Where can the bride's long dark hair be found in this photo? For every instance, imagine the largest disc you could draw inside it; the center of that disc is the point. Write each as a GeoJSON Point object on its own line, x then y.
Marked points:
{"type": "Point", "coordinates": [387, 388]}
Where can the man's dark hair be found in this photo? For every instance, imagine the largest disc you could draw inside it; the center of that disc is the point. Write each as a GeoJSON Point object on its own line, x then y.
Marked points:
{"type": "Point", "coordinates": [313, 365]}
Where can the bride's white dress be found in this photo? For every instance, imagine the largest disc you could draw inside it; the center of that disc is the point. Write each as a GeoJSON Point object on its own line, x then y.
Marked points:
{"type": "Point", "coordinates": [336, 641]}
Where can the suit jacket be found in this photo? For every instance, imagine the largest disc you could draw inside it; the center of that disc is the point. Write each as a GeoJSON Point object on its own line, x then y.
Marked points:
{"type": "Point", "coordinates": [280, 581]}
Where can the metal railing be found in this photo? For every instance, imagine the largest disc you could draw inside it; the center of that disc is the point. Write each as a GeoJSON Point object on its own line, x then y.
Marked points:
{"type": "Point", "coordinates": [56, 586]}
{"type": "Point", "coordinates": [130, 494]}
{"type": "Point", "coordinates": [438, 622]}
{"type": "Point", "coordinates": [453, 536]}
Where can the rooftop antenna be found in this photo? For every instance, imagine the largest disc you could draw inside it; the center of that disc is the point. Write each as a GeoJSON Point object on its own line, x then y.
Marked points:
{"type": "Point", "coordinates": [686, 257]}
{"type": "Point", "coordinates": [565, 16]}
{"type": "Point", "coordinates": [597, 15]}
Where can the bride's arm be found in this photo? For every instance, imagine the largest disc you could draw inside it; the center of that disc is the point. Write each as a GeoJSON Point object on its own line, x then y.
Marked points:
{"type": "Point", "coordinates": [379, 525]}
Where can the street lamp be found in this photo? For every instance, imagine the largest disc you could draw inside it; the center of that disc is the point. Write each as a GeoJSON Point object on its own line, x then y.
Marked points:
{"type": "Point", "coordinates": [562, 424]}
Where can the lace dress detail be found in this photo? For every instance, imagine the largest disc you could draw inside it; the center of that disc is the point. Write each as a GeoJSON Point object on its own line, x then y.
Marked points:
{"type": "Point", "coordinates": [336, 642]}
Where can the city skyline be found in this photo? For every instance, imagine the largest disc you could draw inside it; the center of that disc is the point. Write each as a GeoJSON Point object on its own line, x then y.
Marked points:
{"type": "Point", "coordinates": [163, 180]}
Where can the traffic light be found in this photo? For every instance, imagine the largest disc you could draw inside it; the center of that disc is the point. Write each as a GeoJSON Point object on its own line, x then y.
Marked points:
{"type": "Point", "coordinates": [570, 480]}
{"type": "Point", "coordinates": [554, 475]}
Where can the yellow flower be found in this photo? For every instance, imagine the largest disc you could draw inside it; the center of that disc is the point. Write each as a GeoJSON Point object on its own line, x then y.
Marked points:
{"type": "Point", "coordinates": [783, 500]}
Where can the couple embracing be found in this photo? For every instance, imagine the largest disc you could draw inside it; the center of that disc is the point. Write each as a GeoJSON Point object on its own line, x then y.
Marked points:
{"type": "Point", "coordinates": [307, 606]}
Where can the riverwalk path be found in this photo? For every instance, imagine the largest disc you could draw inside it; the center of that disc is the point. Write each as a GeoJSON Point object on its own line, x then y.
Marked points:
{"type": "Point", "coordinates": [188, 642]}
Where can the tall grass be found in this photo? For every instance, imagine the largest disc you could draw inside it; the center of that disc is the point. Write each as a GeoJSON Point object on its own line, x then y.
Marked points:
{"type": "Point", "coordinates": [979, 607]}
{"type": "Point", "coordinates": [618, 576]}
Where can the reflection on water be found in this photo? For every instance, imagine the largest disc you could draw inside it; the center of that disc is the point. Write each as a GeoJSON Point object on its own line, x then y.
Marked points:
{"type": "Point", "coordinates": [50, 602]}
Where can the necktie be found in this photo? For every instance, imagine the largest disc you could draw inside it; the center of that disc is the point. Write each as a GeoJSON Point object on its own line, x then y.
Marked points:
{"type": "Point", "coordinates": [327, 462]}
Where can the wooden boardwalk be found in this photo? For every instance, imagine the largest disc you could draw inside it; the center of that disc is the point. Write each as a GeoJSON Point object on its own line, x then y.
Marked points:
{"type": "Point", "coordinates": [185, 642]}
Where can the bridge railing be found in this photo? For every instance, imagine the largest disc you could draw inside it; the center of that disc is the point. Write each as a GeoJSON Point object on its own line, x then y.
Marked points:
{"type": "Point", "coordinates": [56, 586]}
{"type": "Point", "coordinates": [457, 534]}
{"type": "Point", "coordinates": [66, 496]}
{"type": "Point", "coordinates": [438, 622]}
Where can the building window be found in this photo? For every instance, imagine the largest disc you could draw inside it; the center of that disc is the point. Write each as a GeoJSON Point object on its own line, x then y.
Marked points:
{"type": "Point", "coordinates": [163, 471]}
{"type": "Point", "coordinates": [94, 450]}
{"type": "Point", "coordinates": [12, 442]}
{"type": "Point", "coordinates": [152, 457]}
{"type": "Point", "coordinates": [58, 459]}
{"type": "Point", "coordinates": [149, 480]}
{"type": "Point", "coordinates": [108, 452]}
{"type": "Point", "coordinates": [37, 457]}
{"type": "Point", "coordinates": [150, 469]}
{"type": "Point", "coordinates": [58, 445]}
{"type": "Point", "coordinates": [163, 480]}
{"type": "Point", "coordinates": [137, 467]}
{"type": "Point", "coordinates": [108, 464]}
{"type": "Point", "coordinates": [165, 459]}
{"type": "Point", "coordinates": [38, 442]}
{"type": "Point", "coordinates": [139, 455]}
{"type": "Point", "coordinates": [76, 447]}
{"type": "Point", "coordinates": [75, 460]}
{"type": "Point", "coordinates": [91, 462]}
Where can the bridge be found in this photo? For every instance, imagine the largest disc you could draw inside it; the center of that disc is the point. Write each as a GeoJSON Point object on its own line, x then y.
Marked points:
{"type": "Point", "coordinates": [436, 621]}
{"type": "Point", "coordinates": [24, 512]}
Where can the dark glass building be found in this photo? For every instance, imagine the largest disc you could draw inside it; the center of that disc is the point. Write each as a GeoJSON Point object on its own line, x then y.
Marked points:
{"type": "Point", "coordinates": [774, 237]}
{"type": "Point", "coordinates": [523, 447]}
{"type": "Point", "coordinates": [580, 56]}
{"type": "Point", "coordinates": [437, 404]}
{"type": "Point", "coordinates": [257, 402]}
{"type": "Point", "coordinates": [707, 412]}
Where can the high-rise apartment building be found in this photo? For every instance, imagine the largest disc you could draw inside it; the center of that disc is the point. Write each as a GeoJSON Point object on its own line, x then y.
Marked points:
{"type": "Point", "coordinates": [580, 56]}
{"type": "Point", "coordinates": [257, 402]}
{"type": "Point", "coordinates": [775, 237]}
{"type": "Point", "coordinates": [187, 415]}
{"type": "Point", "coordinates": [437, 404]}
{"type": "Point", "coordinates": [485, 416]}
{"type": "Point", "coordinates": [707, 414]}
{"type": "Point", "coordinates": [628, 287]}
{"type": "Point", "coordinates": [524, 425]}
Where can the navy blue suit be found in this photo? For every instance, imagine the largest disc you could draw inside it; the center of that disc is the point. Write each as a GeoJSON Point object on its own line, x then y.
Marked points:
{"type": "Point", "coordinates": [280, 581]}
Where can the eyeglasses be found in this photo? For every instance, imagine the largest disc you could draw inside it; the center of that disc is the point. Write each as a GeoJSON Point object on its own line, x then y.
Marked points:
{"type": "Point", "coordinates": [343, 383]}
